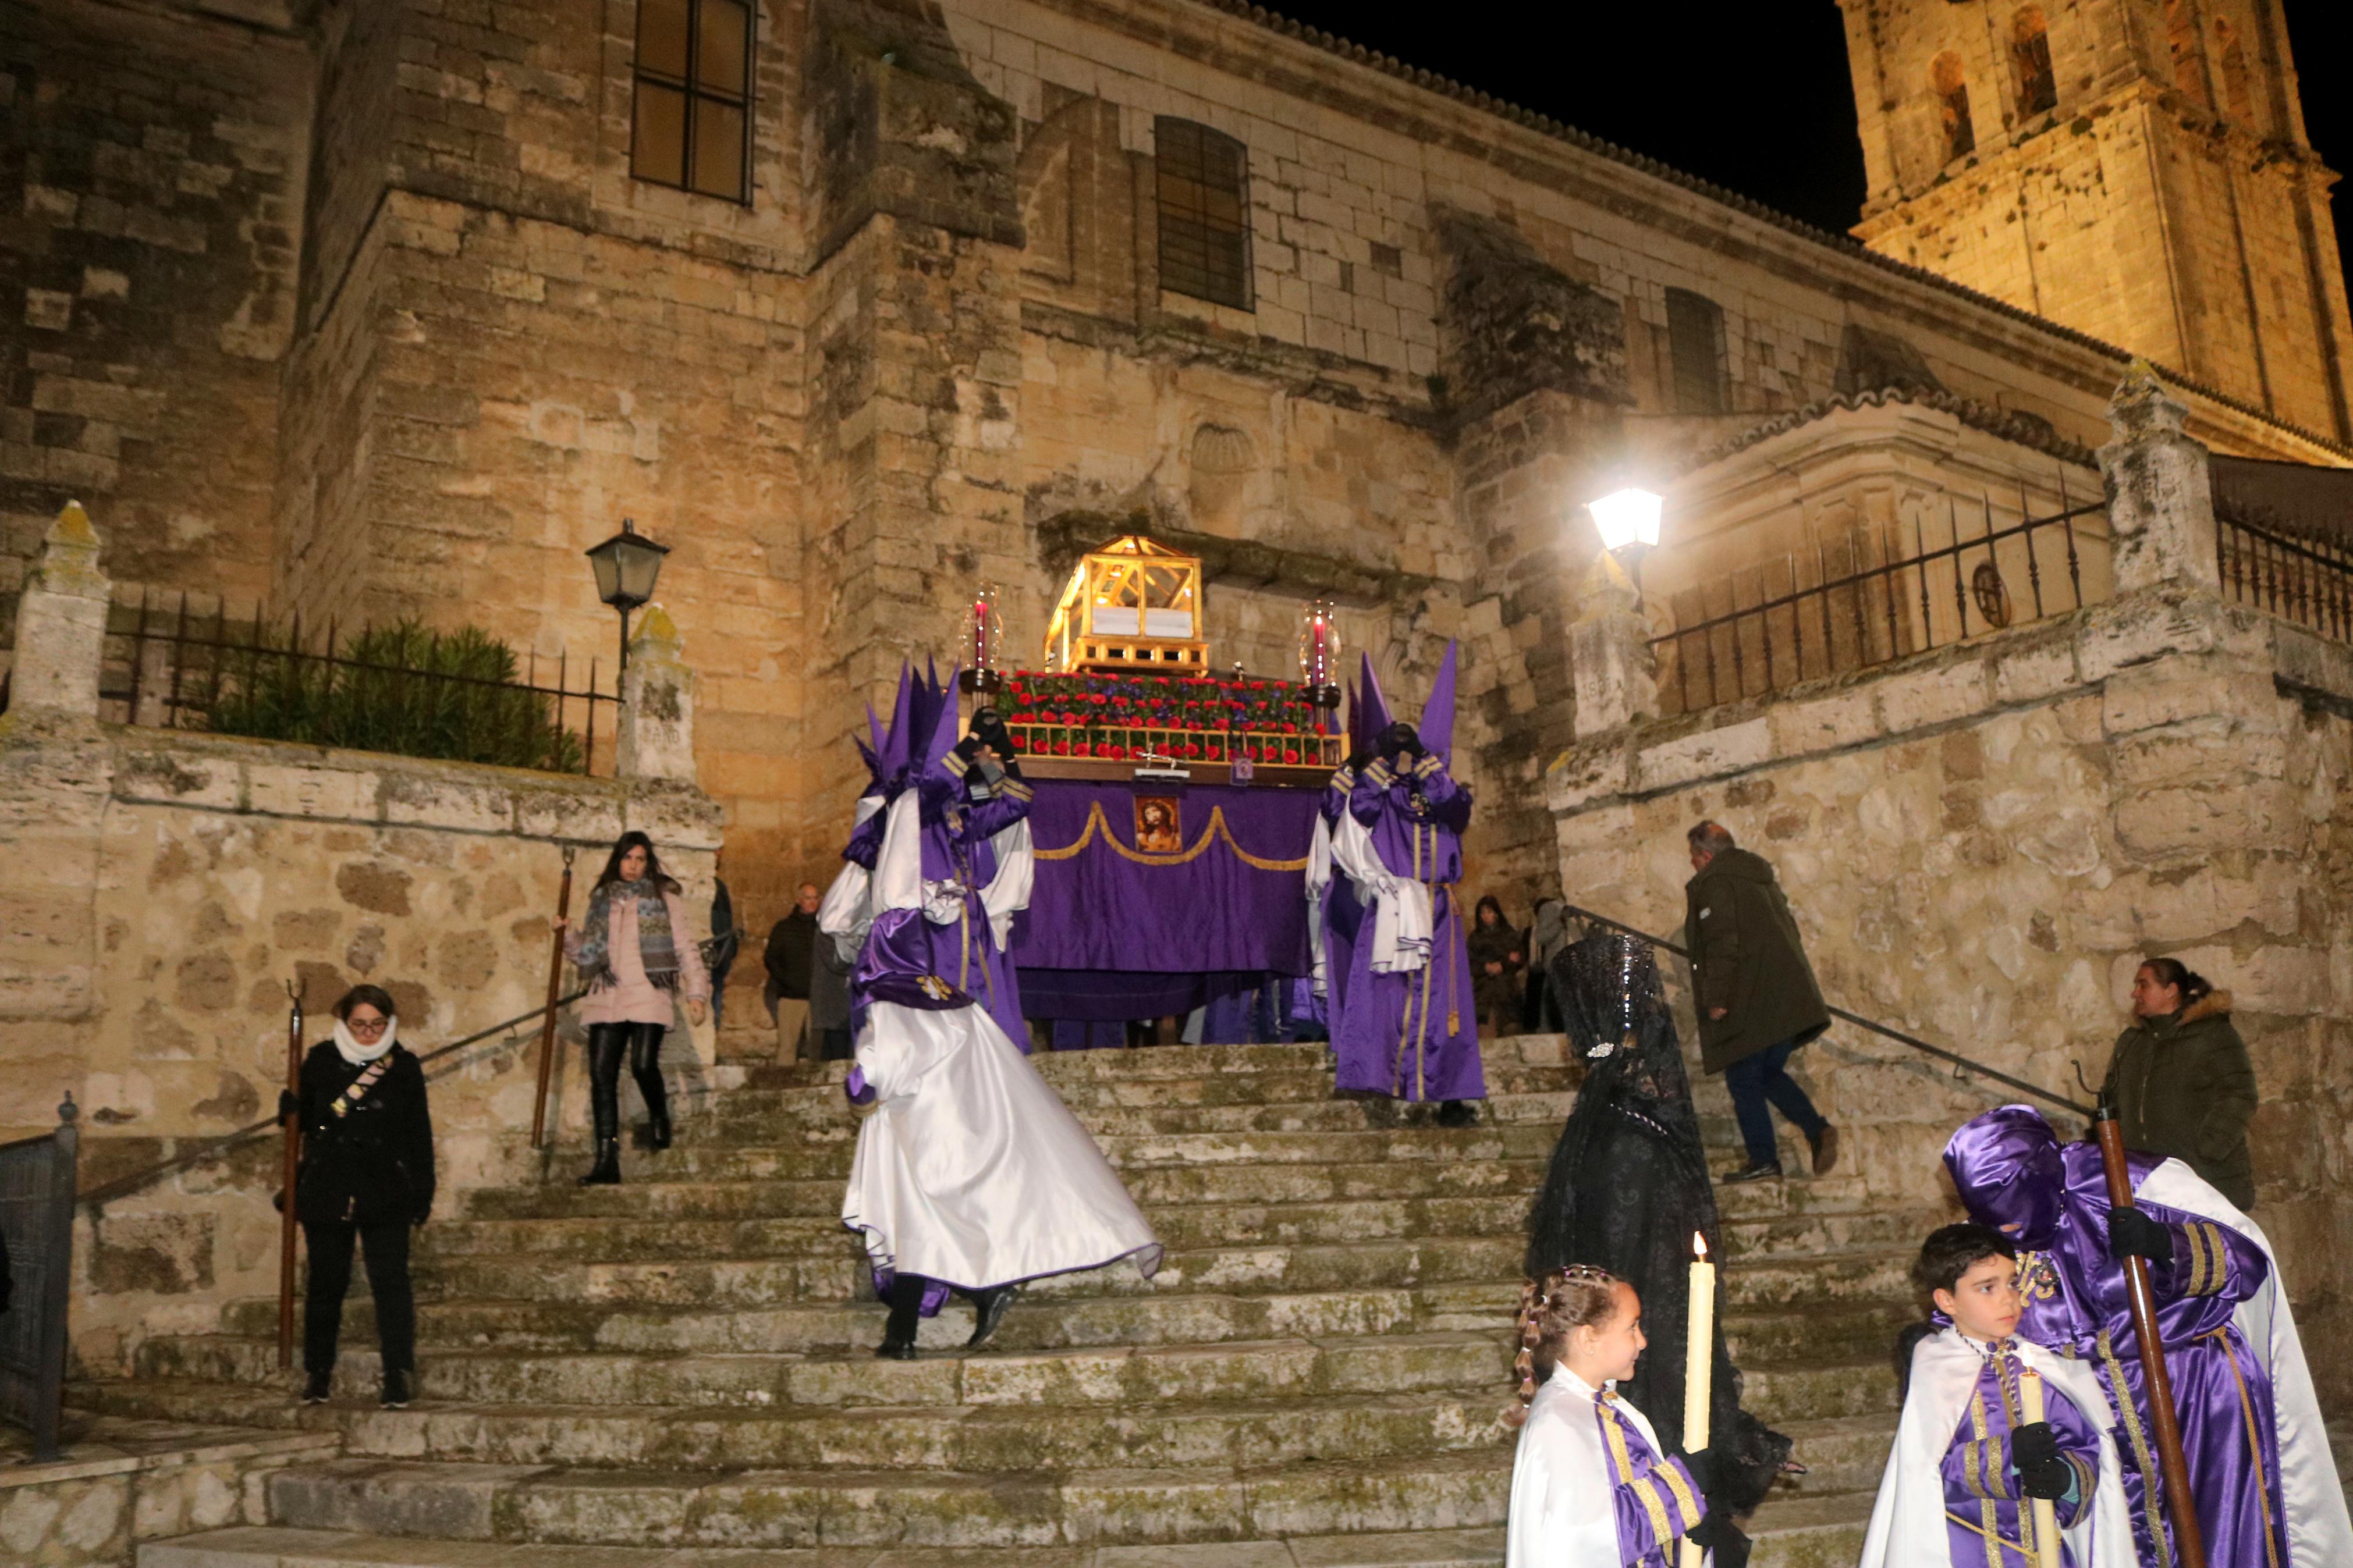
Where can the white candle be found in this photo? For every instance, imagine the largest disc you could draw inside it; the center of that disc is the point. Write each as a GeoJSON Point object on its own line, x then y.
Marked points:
{"type": "Point", "coordinates": [2046, 1517]}
{"type": "Point", "coordinates": [1699, 1364]}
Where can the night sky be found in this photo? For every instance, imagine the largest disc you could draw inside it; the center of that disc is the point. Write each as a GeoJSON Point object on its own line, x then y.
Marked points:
{"type": "Point", "coordinates": [1756, 98]}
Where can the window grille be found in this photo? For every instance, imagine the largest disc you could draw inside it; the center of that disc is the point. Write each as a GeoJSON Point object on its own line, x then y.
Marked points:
{"type": "Point", "coordinates": [1695, 340]}
{"type": "Point", "coordinates": [691, 124]}
{"type": "Point", "coordinates": [1204, 206]}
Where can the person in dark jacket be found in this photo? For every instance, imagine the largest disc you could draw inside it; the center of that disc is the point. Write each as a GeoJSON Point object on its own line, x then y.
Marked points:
{"type": "Point", "coordinates": [1756, 995]}
{"type": "Point", "coordinates": [790, 943]}
{"type": "Point", "coordinates": [367, 1177]}
{"type": "Point", "coordinates": [1497, 957]}
{"type": "Point", "coordinates": [2180, 1081]}
{"type": "Point", "coordinates": [719, 951]}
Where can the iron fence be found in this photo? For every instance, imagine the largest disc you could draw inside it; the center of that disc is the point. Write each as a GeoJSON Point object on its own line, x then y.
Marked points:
{"type": "Point", "coordinates": [36, 1214]}
{"type": "Point", "coordinates": [403, 690]}
{"type": "Point", "coordinates": [2306, 580]}
{"type": "Point", "coordinates": [1874, 596]}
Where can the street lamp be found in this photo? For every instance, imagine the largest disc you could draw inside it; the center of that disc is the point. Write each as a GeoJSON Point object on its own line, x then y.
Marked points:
{"type": "Point", "coordinates": [627, 565]}
{"type": "Point", "coordinates": [1627, 522]}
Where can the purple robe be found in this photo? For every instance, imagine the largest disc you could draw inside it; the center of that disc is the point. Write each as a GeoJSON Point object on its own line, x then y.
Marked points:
{"type": "Point", "coordinates": [961, 949]}
{"type": "Point", "coordinates": [1982, 1496]}
{"type": "Point", "coordinates": [1413, 1034]}
{"type": "Point", "coordinates": [2054, 1202]}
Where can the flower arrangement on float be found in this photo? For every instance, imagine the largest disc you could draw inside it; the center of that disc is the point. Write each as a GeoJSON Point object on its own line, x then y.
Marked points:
{"type": "Point", "coordinates": [1186, 718]}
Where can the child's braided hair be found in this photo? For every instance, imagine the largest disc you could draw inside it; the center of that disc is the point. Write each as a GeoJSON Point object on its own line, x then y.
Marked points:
{"type": "Point", "coordinates": [1579, 1296]}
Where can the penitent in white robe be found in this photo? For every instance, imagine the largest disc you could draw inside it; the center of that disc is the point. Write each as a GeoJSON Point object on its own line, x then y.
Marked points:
{"type": "Point", "coordinates": [970, 1170]}
{"type": "Point", "coordinates": [1908, 1523]}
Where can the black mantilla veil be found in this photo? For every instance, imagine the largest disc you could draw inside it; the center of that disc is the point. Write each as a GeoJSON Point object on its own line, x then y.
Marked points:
{"type": "Point", "coordinates": [1628, 1185]}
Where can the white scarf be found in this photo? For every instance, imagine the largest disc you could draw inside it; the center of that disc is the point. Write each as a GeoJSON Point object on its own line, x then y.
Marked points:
{"type": "Point", "coordinates": [358, 1054]}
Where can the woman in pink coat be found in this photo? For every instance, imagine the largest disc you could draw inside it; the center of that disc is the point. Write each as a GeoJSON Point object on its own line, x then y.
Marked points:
{"type": "Point", "coordinates": [638, 955]}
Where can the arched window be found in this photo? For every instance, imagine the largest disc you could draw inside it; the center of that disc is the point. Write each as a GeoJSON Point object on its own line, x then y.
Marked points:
{"type": "Point", "coordinates": [1204, 207]}
{"type": "Point", "coordinates": [1953, 101]}
{"type": "Point", "coordinates": [689, 123]}
{"type": "Point", "coordinates": [2181, 39]}
{"type": "Point", "coordinates": [1695, 342]}
{"type": "Point", "coordinates": [2233, 56]}
{"type": "Point", "coordinates": [2030, 56]}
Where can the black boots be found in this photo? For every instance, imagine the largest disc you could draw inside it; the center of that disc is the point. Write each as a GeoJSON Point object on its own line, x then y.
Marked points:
{"type": "Point", "coordinates": [988, 1311]}
{"type": "Point", "coordinates": [606, 1172]}
{"type": "Point", "coordinates": [1457, 1113]}
{"type": "Point", "coordinates": [906, 1312]}
{"type": "Point", "coordinates": [658, 1117]}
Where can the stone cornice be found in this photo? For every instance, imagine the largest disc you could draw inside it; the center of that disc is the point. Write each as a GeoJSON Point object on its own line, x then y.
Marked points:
{"type": "Point", "coordinates": [2019, 429]}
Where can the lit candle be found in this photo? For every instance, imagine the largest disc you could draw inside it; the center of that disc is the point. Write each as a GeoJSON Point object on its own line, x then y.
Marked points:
{"type": "Point", "coordinates": [1699, 1364]}
{"type": "Point", "coordinates": [2046, 1517]}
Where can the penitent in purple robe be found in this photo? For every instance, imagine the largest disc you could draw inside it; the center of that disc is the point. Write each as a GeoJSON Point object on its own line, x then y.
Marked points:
{"type": "Point", "coordinates": [1411, 1033]}
{"type": "Point", "coordinates": [2052, 1201]}
{"type": "Point", "coordinates": [949, 933]}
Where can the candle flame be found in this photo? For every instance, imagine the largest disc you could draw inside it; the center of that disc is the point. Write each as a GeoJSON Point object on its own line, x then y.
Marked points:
{"type": "Point", "coordinates": [1699, 1245]}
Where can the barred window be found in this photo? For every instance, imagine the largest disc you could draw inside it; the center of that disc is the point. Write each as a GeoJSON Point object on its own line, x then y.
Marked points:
{"type": "Point", "coordinates": [691, 124]}
{"type": "Point", "coordinates": [1204, 203]}
{"type": "Point", "coordinates": [1696, 340]}
{"type": "Point", "coordinates": [2029, 53]}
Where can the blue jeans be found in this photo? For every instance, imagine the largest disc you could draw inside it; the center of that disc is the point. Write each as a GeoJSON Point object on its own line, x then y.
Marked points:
{"type": "Point", "coordinates": [1756, 1081]}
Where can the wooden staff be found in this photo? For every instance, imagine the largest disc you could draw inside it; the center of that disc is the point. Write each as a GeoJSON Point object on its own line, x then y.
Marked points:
{"type": "Point", "coordinates": [547, 1020]}
{"type": "Point", "coordinates": [293, 1165]}
{"type": "Point", "coordinates": [2189, 1541]}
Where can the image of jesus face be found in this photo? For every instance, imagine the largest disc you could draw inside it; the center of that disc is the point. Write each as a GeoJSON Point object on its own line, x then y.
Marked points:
{"type": "Point", "coordinates": [1157, 828]}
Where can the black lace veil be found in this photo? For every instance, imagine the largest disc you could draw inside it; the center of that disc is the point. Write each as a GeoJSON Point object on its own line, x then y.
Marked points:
{"type": "Point", "coordinates": [1628, 1187]}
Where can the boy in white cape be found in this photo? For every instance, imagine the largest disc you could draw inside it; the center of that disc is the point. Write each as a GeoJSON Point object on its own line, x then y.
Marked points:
{"type": "Point", "coordinates": [1968, 1467]}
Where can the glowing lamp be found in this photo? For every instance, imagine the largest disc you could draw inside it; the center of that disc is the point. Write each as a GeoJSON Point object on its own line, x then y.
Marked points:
{"type": "Point", "coordinates": [1627, 519]}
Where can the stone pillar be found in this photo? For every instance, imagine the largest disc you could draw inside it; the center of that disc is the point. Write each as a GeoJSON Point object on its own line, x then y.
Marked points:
{"type": "Point", "coordinates": [61, 622]}
{"type": "Point", "coordinates": [1611, 669]}
{"type": "Point", "coordinates": [2160, 493]}
{"type": "Point", "coordinates": [656, 739]}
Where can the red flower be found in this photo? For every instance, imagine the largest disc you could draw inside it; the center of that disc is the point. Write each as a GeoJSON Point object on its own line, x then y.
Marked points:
{"type": "Point", "coordinates": [1290, 754]}
{"type": "Point", "coordinates": [1217, 753]}
{"type": "Point", "coordinates": [1289, 728]}
{"type": "Point", "coordinates": [1061, 748]}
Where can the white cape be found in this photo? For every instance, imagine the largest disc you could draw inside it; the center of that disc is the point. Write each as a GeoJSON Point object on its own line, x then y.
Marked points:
{"type": "Point", "coordinates": [1563, 1513]}
{"type": "Point", "coordinates": [1908, 1523]}
{"type": "Point", "coordinates": [2319, 1531]}
{"type": "Point", "coordinates": [970, 1169]}
{"type": "Point", "coordinates": [847, 911]}
{"type": "Point", "coordinates": [1401, 910]}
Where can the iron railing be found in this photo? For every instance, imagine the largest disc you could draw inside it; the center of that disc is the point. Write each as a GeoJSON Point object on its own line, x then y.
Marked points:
{"type": "Point", "coordinates": [2308, 580]}
{"type": "Point", "coordinates": [1857, 611]}
{"type": "Point", "coordinates": [170, 666]}
{"type": "Point", "coordinates": [36, 1216]}
{"type": "Point", "coordinates": [1961, 1064]}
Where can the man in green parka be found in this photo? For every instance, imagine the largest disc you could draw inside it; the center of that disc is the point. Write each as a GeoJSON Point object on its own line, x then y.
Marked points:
{"type": "Point", "coordinates": [1756, 997]}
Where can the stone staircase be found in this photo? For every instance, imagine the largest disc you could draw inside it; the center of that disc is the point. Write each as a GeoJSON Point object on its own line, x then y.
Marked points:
{"type": "Point", "coordinates": [680, 1368]}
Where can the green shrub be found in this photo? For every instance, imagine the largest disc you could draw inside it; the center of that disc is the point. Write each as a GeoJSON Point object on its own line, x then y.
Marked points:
{"type": "Point", "coordinates": [399, 688]}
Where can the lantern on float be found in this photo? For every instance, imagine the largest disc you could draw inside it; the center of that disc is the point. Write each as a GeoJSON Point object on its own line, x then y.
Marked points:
{"type": "Point", "coordinates": [1319, 653]}
{"type": "Point", "coordinates": [984, 641]}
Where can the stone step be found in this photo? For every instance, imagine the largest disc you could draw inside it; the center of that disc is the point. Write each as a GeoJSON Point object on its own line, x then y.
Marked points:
{"type": "Point", "coordinates": [1841, 1453]}
{"type": "Point", "coordinates": [1037, 1323]}
{"type": "Point", "coordinates": [278, 1547]}
{"type": "Point", "coordinates": [641, 1198]}
{"type": "Point", "coordinates": [1098, 1505]}
{"type": "Point", "coordinates": [1295, 1086]}
{"type": "Point", "coordinates": [1059, 1068]}
{"type": "Point", "coordinates": [1810, 1531]}
{"type": "Point", "coordinates": [1373, 1113]}
{"type": "Point", "coordinates": [791, 1384]}
{"type": "Point", "coordinates": [818, 1156]}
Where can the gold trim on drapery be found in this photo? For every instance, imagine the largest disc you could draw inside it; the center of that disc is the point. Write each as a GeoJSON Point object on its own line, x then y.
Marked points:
{"type": "Point", "coordinates": [1217, 829]}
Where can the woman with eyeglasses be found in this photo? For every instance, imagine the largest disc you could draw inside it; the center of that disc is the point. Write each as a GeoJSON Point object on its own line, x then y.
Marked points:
{"type": "Point", "coordinates": [367, 1177]}
{"type": "Point", "coordinates": [638, 953]}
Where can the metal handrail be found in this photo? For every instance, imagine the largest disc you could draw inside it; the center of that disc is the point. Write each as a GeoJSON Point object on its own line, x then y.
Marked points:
{"type": "Point", "coordinates": [246, 1134]}
{"type": "Point", "coordinates": [1898, 1036]}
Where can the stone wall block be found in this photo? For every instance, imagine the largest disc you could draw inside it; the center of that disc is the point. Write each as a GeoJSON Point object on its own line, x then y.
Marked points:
{"type": "Point", "coordinates": [2031, 674]}
{"type": "Point", "coordinates": [2160, 493]}
{"type": "Point", "coordinates": [1612, 671]}
{"type": "Point", "coordinates": [61, 621]}
{"type": "Point", "coordinates": [1824, 724]}
{"type": "Point", "coordinates": [1921, 697]}
{"type": "Point", "coordinates": [656, 729]}
{"type": "Point", "coordinates": [2180, 691]}
{"type": "Point", "coordinates": [317, 791]}
{"type": "Point", "coordinates": [439, 803]}
{"type": "Point", "coordinates": [171, 776]}
{"type": "Point", "coordinates": [1585, 775]}
{"type": "Point", "coordinates": [1710, 753]}
{"type": "Point", "coordinates": [2136, 630]}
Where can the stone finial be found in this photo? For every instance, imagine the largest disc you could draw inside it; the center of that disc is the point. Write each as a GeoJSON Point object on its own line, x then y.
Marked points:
{"type": "Point", "coordinates": [61, 621]}
{"type": "Point", "coordinates": [2160, 491]}
{"type": "Point", "coordinates": [657, 729]}
{"type": "Point", "coordinates": [1612, 671]}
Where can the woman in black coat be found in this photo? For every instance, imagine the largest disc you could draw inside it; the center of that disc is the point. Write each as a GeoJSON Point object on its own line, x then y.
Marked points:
{"type": "Point", "coordinates": [367, 1177]}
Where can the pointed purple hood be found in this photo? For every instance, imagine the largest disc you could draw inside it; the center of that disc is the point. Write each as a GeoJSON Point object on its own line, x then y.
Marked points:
{"type": "Point", "coordinates": [1368, 711]}
{"type": "Point", "coordinates": [1437, 726]}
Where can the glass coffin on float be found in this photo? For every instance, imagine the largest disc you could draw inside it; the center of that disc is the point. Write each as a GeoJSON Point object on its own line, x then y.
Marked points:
{"type": "Point", "coordinates": [1132, 604]}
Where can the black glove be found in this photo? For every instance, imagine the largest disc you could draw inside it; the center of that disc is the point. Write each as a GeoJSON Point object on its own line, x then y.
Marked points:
{"type": "Point", "coordinates": [1701, 1463]}
{"type": "Point", "coordinates": [2034, 1444]}
{"type": "Point", "coordinates": [288, 1106]}
{"type": "Point", "coordinates": [1715, 1534]}
{"type": "Point", "coordinates": [2132, 1233]}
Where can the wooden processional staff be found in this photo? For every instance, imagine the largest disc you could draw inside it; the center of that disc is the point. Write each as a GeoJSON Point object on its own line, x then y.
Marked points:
{"type": "Point", "coordinates": [547, 1020]}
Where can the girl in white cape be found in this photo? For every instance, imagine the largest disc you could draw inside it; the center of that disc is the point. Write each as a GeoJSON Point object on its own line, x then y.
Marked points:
{"type": "Point", "coordinates": [1589, 1485]}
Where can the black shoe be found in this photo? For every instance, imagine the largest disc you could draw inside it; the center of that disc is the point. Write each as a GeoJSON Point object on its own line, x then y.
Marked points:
{"type": "Point", "coordinates": [606, 1172]}
{"type": "Point", "coordinates": [988, 1311]}
{"type": "Point", "coordinates": [319, 1388]}
{"type": "Point", "coordinates": [1457, 1113]}
{"type": "Point", "coordinates": [399, 1388]}
{"type": "Point", "coordinates": [1771, 1172]}
{"type": "Point", "coordinates": [658, 1128]}
{"type": "Point", "coordinates": [1825, 1146]}
{"type": "Point", "coordinates": [895, 1350]}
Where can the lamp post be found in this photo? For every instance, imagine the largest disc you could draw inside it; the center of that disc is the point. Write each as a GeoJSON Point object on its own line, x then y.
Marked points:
{"type": "Point", "coordinates": [627, 566]}
{"type": "Point", "coordinates": [1627, 522]}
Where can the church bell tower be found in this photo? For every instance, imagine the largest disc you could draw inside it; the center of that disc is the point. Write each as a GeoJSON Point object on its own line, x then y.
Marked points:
{"type": "Point", "coordinates": [2135, 169]}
